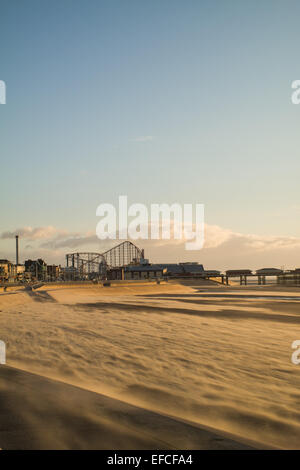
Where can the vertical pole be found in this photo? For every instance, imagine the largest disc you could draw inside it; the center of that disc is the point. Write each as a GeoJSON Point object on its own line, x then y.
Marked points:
{"type": "Point", "coordinates": [17, 250]}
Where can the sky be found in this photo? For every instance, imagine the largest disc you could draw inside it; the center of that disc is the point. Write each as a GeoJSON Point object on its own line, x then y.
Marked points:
{"type": "Point", "coordinates": [163, 101]}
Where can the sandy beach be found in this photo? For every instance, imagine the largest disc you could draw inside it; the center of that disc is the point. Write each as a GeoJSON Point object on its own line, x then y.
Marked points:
{"type": "Point", "coordinates": [150, 366]}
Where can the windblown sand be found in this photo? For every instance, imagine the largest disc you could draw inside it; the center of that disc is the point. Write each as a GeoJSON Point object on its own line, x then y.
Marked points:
{"type": "Point", "coordinates": [215, 356]}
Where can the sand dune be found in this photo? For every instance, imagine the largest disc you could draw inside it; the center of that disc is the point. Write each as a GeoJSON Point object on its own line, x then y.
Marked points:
{"type": "Point", "coordinates": [38, 413]}
{"type": "Point", "coordinates": [217, 357]}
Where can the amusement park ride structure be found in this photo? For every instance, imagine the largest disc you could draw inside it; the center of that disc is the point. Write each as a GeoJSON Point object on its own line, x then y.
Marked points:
{"type": "Point", "coordinates": [87, 263]}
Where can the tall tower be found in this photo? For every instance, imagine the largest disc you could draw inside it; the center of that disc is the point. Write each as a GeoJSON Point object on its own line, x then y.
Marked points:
{"type": "Point", "coordinates": [17, 250]}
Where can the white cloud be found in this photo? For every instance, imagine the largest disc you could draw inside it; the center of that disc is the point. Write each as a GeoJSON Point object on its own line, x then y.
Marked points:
{"type": "Point", "coordinates": [142, 138]}
{"type": "Point", "coordinates": [30, 233]}
{"type": "Point", "coordinates": [216, 237]}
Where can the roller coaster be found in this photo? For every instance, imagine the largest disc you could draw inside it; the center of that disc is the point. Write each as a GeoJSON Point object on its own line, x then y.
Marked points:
{"type": "Point", "coordinates": [98, 264]}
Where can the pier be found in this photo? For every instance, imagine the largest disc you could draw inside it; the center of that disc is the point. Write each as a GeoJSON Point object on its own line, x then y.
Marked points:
{"type": "Point", "coordinates": [262, 276]}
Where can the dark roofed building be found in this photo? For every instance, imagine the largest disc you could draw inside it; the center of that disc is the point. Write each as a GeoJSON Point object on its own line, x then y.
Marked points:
{"type": "Point", "coordinates": [37, 268]}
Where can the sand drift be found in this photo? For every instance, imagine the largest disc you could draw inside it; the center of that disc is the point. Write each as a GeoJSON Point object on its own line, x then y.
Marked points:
{"type": "Point", "coordinates": [168, 366]}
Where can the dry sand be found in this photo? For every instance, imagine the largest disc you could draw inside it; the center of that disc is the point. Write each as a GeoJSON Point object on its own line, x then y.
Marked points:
{"type": "Point", "coordinates": [168, 366]}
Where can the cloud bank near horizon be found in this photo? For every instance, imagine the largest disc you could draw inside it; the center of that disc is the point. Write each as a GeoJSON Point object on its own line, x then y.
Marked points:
{"type": "Point", "coordinates": [223, 248]}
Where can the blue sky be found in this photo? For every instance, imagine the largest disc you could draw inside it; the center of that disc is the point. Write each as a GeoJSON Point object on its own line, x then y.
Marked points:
{"type": "Point", "coordinates": [207, 82]}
